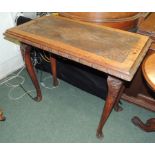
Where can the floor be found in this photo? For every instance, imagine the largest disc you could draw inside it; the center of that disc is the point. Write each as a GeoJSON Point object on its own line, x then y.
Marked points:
{"type": "Point", "coordinates": [65, 115]}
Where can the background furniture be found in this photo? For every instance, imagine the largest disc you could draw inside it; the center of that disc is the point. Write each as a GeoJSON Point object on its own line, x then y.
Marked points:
{"type": "Point", "coordinates": [138, 91]}
{"type": "Point", "coordinates": [120, 20]}
{"type": "Point", "coordinates": [147, 27]}
{"type": "Point", "coordinates": [148, 68]}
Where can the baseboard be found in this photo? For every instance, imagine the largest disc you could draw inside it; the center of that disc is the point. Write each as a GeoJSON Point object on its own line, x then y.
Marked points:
{"type": "Point", "coordinates": [10, 66]}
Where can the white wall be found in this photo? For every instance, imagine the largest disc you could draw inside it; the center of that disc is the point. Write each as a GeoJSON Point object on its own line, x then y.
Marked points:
{"type": "Point", "coordinates": [10, 56]}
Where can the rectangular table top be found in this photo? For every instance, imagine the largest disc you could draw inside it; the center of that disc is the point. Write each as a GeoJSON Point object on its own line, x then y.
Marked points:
{"type": "Point", "coordinates": [112, 51]}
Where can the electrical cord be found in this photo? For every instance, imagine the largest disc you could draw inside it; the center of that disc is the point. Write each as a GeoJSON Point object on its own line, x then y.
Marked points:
{"type": "Point", "coordinates": [12, 77]}
{"type": "Point", "coordinates": [44, 58]}
{"type": "Point", "coordinates": [15, 86]}
{"type": "Point", "coordinates": [36, 61]}
{"type": "Point", "coordinates": [42, 82]}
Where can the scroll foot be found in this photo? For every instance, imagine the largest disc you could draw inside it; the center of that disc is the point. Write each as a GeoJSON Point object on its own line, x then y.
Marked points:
{"type": "Point", "coordinates": [99, 135]}
{"type": "Point", "coordinates": [149, 126]}
{"type": "Point", "coordinates": [37, 98]}
{"type": "Point", "coordinates": [118, 108]}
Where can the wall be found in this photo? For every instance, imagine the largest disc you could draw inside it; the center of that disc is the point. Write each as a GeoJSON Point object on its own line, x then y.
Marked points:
{"type": "Point", "coordinates": [10, 56]}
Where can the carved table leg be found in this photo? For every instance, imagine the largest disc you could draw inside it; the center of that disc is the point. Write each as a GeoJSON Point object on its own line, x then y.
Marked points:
{"type": "Point", "coordinates": [54, 69]}
{"type": "Point", "coordinates": [31, 72]}
{"type": "Point", "coordinates": [149, 126]}
{"type": "Point", "coordinates": [114, 87]}
{"type": "Point", "coordinates": [2, 117]}
{"type": "Point", "coordinates": [117, 107]}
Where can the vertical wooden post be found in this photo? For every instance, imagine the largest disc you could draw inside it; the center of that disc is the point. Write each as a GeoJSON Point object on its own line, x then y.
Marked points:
{"type": "Point", "coordinates": [54, 69]}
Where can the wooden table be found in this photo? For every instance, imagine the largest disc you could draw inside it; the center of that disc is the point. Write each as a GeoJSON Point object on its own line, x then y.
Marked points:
{"type": "Point", "coordinates": [115, 52]}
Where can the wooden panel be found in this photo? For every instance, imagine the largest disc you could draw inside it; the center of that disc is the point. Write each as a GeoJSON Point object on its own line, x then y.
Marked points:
{"type": "Point", "coordinates": [120, 20]}
{"type": "Point", "coordinates": [147, 26]}
{"type": "Point", "coordinates": [148, 68]}
{"type": "Point", "coordinates": [113, 51]}
{"type": "Point", "coordinates": [99, 16]}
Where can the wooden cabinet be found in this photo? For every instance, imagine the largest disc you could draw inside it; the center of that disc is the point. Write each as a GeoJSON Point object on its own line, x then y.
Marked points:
{"type": "Point", "coordinates": [121, 20]}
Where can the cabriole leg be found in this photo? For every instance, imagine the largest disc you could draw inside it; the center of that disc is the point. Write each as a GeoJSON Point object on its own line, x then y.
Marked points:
{"type": "Point", "coordinates": [114, 87]}
{"type": "Point", "coordinates": [31, 72]}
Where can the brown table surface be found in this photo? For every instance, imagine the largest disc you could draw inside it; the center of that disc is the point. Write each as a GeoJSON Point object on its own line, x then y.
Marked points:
{"type": "Point", "coordinates": [112, 51]}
